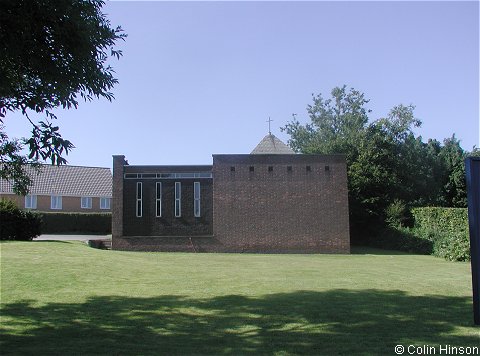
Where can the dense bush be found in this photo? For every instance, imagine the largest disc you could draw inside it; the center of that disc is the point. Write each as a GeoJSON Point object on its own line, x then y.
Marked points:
{"type": "Point", "coordinates": [16, 224]}
{"type": "Point", "coordinates": [447, 228]}
{"type": "Point", "coordinates": [453, 247]}
{"type": "Point", "coordinates": [403, 239]}
{"type": "Point", "coordinates": [446, 220]}
{"type": "Point", "coordinates": [398, 214]}
{"type": "Point", "coordinates": [442, 232]}
{"type": "Point", "coordinates": [77, 223]}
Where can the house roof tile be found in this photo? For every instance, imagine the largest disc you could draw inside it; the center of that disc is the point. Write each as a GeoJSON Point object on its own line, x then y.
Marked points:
{"type": "Point", "coordinates": [67, 181]}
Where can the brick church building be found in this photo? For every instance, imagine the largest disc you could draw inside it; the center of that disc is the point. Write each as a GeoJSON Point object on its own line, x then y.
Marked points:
{"type": "Point", "coordinates": [269, 201]}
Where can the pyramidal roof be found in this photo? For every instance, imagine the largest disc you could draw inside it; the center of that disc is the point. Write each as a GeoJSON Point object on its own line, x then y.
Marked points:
{"type": "Point", "coordinates": [270, 144]}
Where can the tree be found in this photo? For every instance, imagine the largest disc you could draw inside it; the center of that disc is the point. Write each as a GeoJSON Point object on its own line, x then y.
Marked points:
{"type": "Point", "coordinates": [455, 185]}
{"type": "Point", "coordinates": [53, 52]}
{"type": "Point", "coordinates": [389, 168]}
{"type": "Point", "coordinates": [336, 124]}
{"type": "Point", "coordinates": [381, 176]}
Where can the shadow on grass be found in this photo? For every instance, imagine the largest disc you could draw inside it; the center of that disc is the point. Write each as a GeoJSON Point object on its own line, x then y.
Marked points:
{"type": "Point", "coordinates": [332, 322]}
{"type": "Point", "coordinates": [365, 250]}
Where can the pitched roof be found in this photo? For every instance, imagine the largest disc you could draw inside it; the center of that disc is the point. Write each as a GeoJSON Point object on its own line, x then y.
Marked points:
{"type": "Point", "coordinates": [270, 144]}
{"type": "Point", "coordinates": [67, 181]}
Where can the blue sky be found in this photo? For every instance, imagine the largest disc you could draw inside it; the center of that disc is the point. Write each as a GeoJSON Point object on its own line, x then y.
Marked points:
{"type": "Point", "coordinates": [199, 78]}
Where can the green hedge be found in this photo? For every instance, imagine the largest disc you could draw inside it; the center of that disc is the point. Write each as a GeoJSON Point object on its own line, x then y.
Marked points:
{"type": "Point", "coordinates": [402, 239]}
{"type": "Point", "coordinates": [447, 220]}
{"type": "Point", "coordinates": [447, 228]}
{"type": "Point", "coordinates": [442, 232]}
{"type": "Point", "coordinates": [77, 223]}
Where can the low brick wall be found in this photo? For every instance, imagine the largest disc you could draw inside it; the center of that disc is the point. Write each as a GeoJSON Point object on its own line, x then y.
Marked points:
{"type": "Point", "coordinates": [211, 244]}
{"type": "Point", "coordinates": [166, 244]}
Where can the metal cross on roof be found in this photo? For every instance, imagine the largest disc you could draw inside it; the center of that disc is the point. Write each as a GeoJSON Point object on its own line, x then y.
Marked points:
{"type": "Point", "coordinates": [269, 121]}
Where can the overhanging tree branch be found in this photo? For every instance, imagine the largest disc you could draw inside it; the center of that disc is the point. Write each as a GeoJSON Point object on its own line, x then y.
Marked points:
{"type": "Point", "coordinates": [52, 52]}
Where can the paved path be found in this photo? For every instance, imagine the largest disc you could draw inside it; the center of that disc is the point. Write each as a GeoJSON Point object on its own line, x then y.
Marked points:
{"type": "Point", "coordinates": [72, 237]}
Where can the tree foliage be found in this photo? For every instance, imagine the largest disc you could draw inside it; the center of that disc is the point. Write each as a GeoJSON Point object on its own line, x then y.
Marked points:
{"type": "Point", "coordinates": [53, 54]}
{"type": "Point", "coordinates": [454, 188]}
{"type": "Point", "coordinates": [389, 168]}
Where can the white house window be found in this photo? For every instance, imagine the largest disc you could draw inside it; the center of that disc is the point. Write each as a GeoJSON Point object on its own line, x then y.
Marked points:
{"type": "Point", "coordinates": [139, 200]}
{"type": "Point", "coordinates": [30, 202]}
{"type": "Point", "coordinates": [196, 199]}
{"type": "Point", "coordinates": [158, 200]}
{"type": "Point", "coordinates": [86, 203]}
{"type": "Point", "coordinates": [56, 202]}
{"type": "Point", "coordinates": [178, 199]}
{"type": "Point", "coordinates": [105, 203]}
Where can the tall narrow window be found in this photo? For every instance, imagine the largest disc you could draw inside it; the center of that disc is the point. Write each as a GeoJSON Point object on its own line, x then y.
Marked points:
{"type": "Point", "coordinates": [158, 200]}
{"type": "Point", "coordinates": [56, 202]}
{"type": "Point", "coordinates": [139, 200]}
{"type": "Point", "coordinates": [196, 199]}
{"type": "Point", "coordinates": [30, 202]}
{"type": "Point", "coordinates": [178, 199]}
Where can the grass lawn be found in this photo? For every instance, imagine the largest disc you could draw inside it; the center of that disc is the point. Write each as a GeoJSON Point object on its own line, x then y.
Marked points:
{"type": "Point", "coordinates": [67, 298]}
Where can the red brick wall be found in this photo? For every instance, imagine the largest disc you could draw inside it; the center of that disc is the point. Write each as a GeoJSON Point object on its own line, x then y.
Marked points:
{"type": "Point", "coordinates": [280, 210]}
{"type": "Point", "coordinates": [267, 210]}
